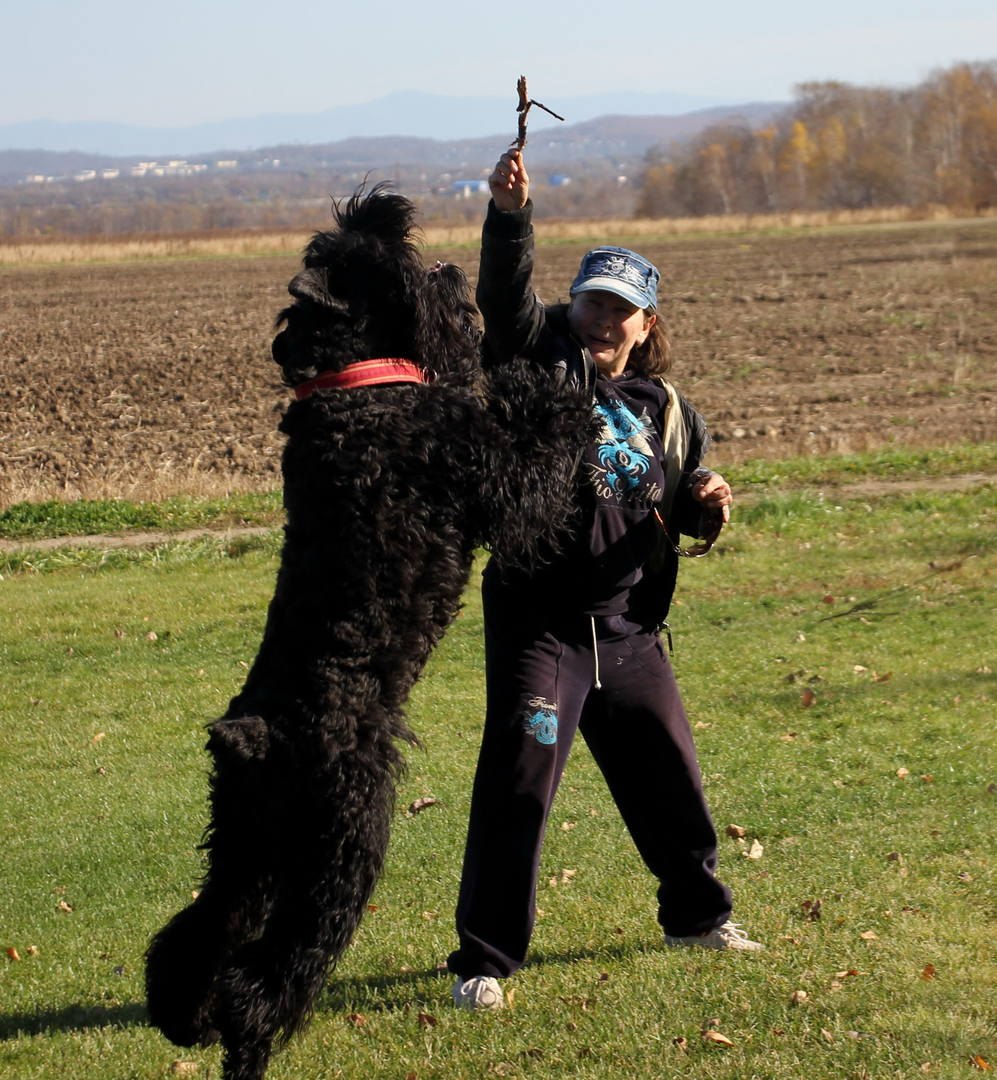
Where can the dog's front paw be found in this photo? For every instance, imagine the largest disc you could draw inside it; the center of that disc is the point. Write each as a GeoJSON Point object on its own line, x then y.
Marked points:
{"type": "Point", "coordinates": [243, 739]}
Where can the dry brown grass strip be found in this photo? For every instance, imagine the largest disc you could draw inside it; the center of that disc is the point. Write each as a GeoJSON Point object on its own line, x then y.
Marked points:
{"type": "Point", "coordinates": [186, 246]}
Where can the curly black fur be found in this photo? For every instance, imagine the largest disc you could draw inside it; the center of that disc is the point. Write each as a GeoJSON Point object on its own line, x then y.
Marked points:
{"type": "Point", "coordinates": [388, 492]}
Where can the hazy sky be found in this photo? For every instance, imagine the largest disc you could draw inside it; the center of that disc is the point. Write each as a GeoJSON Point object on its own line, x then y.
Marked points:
{"type": "Point", "coordinates": [186, 61]}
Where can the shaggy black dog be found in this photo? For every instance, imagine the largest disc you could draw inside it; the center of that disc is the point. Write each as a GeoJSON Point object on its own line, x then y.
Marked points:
{"type": "Point", "coordinates": [389, 488]}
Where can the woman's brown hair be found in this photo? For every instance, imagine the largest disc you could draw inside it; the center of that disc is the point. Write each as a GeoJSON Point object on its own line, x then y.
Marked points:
{"type": "Point", "coordinates": [653, 357]}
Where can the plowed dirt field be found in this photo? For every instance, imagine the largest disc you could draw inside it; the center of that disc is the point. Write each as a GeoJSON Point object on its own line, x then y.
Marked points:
{"type": "Point", "coordinates": [121, 379]}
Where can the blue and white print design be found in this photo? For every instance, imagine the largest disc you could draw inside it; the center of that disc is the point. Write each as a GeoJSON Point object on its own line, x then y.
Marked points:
{"type": "Point", "coordinates": [623, 454]}
{"type": "Point", "coordinates": [540, 720]}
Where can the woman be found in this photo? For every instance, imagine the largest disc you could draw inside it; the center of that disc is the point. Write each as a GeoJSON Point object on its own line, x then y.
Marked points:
{"type": "Point", "coordinates": [574, 645]}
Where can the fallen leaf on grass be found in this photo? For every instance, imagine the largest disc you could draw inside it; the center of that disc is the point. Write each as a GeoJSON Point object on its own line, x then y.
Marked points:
{"type": "Point", "coordinates": [682, 1043]}
{"type": "Point", "coordinates": [98, 737]}
{"type": "Point", "coordinates": [420, 804]}
{"type": "Point", "coordinates": [828, 1037]}
{"type": "Point", "coordinates": [797, 997]}
{"type": "Point", "coordinates": [427, 1020]}
{"type": "Point", "coordinates": [736, 831]}
{"type": "Point", "coordinates": [869, 935]}
{"type": "Point", "coordinates": [756, 851]}
{"type": "Point", "coordinates": [807, 698]}
{"type": "Point", "coordinates": [13, 953]}
{"type": "Point", "coordinates": [567, 826]}
{"type": "Point", "coordinates": [980, 1063]}
{"type": "Point", "coordinates": [811, 909]}
{"type": "Point", "coordinates": [717, 1037]}
{"type": "Point", "coordinates": [63, 906]}
{"type": "Point", "coordinates": [903, 773]}
{"type": "Point", "coordinates": [790, 736]}
{"type": "Point", "coordinates": [884, 677]}
{"type": "Point", "coordinates": [184, 1068]}
{"type": "Point", "coordinates": [928, 973]}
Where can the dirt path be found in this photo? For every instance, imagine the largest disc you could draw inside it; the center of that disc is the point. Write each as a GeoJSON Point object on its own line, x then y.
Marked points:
{"type": "Point", "coordinates": [128, 539]}
{"type": "Point", "coordinates": [868, 489]}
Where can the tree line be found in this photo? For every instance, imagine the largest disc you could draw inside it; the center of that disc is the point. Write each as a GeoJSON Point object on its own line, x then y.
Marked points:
{"type": "Point", "coordinates": [842, 147]}
{"type": "Point", "coordinates": [837, 147]}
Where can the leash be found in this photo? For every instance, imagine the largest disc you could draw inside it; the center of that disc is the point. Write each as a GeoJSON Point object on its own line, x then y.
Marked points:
{"type": "Point", "coordinates": [363, 373]}
{"type": "Point", "coordinates": [698, 550]}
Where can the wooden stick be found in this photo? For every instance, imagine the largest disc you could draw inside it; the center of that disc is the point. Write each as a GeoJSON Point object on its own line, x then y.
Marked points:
{"type": "Point", "coordinates": [525, 101]}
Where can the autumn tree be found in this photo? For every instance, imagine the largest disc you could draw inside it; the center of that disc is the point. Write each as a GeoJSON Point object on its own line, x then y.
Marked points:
{"type": "Point", "coordinates": [842, 146]}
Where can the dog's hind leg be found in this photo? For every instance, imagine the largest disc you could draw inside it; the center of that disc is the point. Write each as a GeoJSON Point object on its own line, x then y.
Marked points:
{"type": "Point", "coordinates": [187, 956]}
{"type": "Point", "coordinates": [182, 964]}
{"type": "Point", "coordinates": [332, 861]}
{"type": "Point", "coordinates": [246, 1061]}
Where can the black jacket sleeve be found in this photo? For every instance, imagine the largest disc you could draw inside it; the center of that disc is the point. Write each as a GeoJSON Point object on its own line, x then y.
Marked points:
{"type": "Point", "coordinates": [514, 317]}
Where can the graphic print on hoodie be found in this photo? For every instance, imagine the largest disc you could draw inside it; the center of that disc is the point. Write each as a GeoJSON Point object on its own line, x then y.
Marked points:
{"type": "Point", "coordinates": [626, 469]}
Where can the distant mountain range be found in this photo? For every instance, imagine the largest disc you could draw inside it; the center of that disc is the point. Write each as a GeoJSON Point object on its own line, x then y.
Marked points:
{"type": "Point", "coordinates": [610, 141]}
{"type": "Point", "coordinates": [408, 114]}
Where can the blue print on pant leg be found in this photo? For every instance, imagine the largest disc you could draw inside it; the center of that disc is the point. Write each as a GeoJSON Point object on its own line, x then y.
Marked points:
{"type": "Point", "coordinates": [540, 720]}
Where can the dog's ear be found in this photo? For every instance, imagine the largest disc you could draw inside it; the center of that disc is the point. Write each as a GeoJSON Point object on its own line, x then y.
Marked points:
{"type": "Point", "coordinates": [310, 285]}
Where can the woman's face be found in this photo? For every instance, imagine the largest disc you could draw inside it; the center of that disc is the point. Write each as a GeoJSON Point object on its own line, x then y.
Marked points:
{"type": "Point", "coordinates": [609, 327]}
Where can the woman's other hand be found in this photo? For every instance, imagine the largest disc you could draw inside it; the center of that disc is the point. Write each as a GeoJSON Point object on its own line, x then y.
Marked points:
{"type": "Point", "coordinates": [509, 182]}
{"type": "Point", "coordinates": [714, 492]}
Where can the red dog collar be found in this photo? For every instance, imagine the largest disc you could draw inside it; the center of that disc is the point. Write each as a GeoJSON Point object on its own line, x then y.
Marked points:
{"type": "Point", "coordinates": [364, 373]}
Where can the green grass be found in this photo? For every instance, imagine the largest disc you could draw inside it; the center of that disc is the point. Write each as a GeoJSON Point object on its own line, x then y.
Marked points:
{"type": "Point", "coordinates": [26, 521]}
{"type": "Point", "coordinates": [36, 520]}
{"type": "Point", "coordinates": [836, 659]}
{"type": "Point", "coordinates": [885, 465]}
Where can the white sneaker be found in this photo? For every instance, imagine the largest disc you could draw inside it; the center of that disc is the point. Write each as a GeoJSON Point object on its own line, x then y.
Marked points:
{"type": "Point", "coordinates": [728, 936]}
{"type": "Point", "coordinates": [480, 992]}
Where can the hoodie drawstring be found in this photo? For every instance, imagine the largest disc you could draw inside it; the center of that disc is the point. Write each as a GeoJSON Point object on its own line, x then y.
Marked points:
{"type": "Point", "coordinates": [595, 654]}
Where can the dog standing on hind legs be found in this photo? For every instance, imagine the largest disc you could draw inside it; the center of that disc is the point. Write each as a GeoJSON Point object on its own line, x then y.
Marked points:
{"type": "Point", "coordinates": [401, 459]}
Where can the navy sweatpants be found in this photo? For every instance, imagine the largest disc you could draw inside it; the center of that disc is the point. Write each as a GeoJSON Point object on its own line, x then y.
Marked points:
{"type": "Point", "coordinates": [541, 689]}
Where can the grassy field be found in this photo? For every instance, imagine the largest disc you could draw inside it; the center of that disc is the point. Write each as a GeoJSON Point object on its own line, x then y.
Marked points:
{"type": "Point", "coordinates": [836, 654]}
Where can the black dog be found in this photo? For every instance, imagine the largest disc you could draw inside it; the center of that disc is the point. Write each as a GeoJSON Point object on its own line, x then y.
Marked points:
{"type": "Point", "coordinates": [401, 459]}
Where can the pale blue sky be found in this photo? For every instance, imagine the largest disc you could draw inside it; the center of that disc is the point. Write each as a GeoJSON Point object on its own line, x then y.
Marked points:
{"type": "Point", "coordinates": [187, 61]}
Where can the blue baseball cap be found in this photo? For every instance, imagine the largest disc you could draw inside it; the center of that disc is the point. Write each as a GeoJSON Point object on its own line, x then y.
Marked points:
{"type": "Point", "coordinates": [621, 271]}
